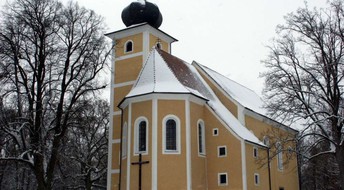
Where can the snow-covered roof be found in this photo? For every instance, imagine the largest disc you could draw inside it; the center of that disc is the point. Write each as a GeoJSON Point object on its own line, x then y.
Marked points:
{"type": "Point", "coordinates": [157, 77]}
{"type": "Point", "coordinates": [165, 73]}
{"type": "Point", "coordinates": [243, 95]}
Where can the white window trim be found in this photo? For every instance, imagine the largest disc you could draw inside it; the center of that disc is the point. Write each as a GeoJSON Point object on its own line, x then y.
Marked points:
{"type": "Point", "coordinates": [279, 156]}
{"type": "Point", "coordinates": [125, 46]}
{"type": "Point", "coordinates": [176, 119]}
{"type": "Point", "coordinates": [201, 122]}
{"type": "Point", "coordinates": [256, 176]}
{"type": "Point", "coordinates": [219, 179]}
{"type": "Point", "coordinates": [255, 149]}
{"type": "Point", "coordinates": [125, 140]}
{"type": "Point", "coordinates": [136, 136]}
{"type": "Point", "coordinates": [217, 134]}
{"type": "Point", "coordinates": [266, 141]}
{"type": "Point", "coordinates": [218, 151]}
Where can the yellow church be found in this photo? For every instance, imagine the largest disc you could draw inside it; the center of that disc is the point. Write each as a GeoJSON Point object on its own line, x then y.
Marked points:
{"type": "Point", "coordinates": [176, 125]}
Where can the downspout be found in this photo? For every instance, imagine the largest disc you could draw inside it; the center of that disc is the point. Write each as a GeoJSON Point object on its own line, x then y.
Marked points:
{"type": "Point", "coordinates": [269, 171]}
{"type": "Point", "coordinates": [299, 160]}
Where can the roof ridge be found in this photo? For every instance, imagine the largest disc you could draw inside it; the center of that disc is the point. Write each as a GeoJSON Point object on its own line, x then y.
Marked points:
{"type": "Point", "coordinates": [223, 76]}
{"type": "Point", "coordinates": [161, 51]}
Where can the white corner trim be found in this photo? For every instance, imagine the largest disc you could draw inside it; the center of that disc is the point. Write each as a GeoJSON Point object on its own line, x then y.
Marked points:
{"type": "Point", "coordinates": [154, 144]}
{"type": "Point", "coordinates": [108, 184]}
{"type": "Point", "coordinates": [243, 165]}
{"type": "Point", "coordinates": [128, 147]}
{"type": "Point", "coordinates": [188, 145]}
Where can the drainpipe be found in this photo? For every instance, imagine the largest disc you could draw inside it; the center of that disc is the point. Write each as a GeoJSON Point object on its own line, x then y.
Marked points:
{"type": "Point", "coordinates": [269, 171]}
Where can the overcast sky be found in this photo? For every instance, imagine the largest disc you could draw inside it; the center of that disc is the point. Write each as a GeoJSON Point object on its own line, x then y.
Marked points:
{"type": "Point", "coordinates": [229, 36]}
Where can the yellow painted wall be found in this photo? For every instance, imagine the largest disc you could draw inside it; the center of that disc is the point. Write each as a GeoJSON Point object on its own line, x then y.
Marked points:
{"type": "Point", "coordinates": [116, 133]}
{"type": "Point", "coordinates": [128, 69]}
{"type": "Point", "coordinates": [119, 94]}
{"type": "Point", "coordinates": [141, 109]}
{"type": "Point", "coordinates": [115, 155]}
{"type": "Point", "coordinates": [153, 40]}
{"type": "Point", "coordinates": [288, 177]}
{"type": "Point", "coordinates": [171, 167]}
{"type": "Point", "coordinates": [138, 44]}
{"type": "Point", "coordinates": [114, 181]}
{"type": "Point", "coordinates": [256, 165]}
{"type": "Point", "coordinates": [231, 163]}
{"type": "Point", "coordinates": [198, 163]}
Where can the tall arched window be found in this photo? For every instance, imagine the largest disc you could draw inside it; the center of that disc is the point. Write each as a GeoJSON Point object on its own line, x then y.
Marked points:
{"type": "Point", "coordinates": [201, 138]}
{"type": "Point", "coordinates": [279, 156]}
{"type": "Point", "coordinates": [141, 135]}
{"type": "Point", "coordinates": [128, 46]}
{"type": "Point", "coordinates": [171, 136]}
{"type": "Point", "coordinates": [266, 141]}
{"type": "Point", "coordinates": [124, 140]}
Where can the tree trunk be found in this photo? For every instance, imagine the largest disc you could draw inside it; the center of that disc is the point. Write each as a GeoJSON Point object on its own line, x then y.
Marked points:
{"type": "Point", "coordinates": [340, 161]}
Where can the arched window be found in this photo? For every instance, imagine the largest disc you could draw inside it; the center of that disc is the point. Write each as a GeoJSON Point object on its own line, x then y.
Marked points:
{"type": "Point", "coordinates": [141, 135]}
{"type": "Point", "coordinates": [266, 141]}
{"type": "Point", "coordinates": [128, 46]}
{"type": "Point", "coordinates": [124, 140]}
{"type": "Point", "coordinates": [201, 138]}
{"type": "Point", "coordinates": [171, 136]}
{"type": "Point", "coordinates": [158, 45]}
{"type": "Point", "coordinates": [279, 156]}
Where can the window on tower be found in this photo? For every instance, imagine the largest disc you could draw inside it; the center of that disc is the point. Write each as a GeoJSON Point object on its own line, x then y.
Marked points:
{"type": "Point", "coordinates": [171, 136]}
{"type": "Point", "coordinates": [128, 47]}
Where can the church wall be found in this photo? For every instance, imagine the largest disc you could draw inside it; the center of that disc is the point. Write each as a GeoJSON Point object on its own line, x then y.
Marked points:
{"type": "Point", "coordinates": [231, 106]}
{"type": "Point", "coordinates": [138, 44]}
{"type": "Point", "coordinates": [231, 163]}
{"type": "Point", "coordinates": [128, 69]}
{"type": "Point", "coordinates": [115, 153]}
{"type": "Point", "coordinates": [199, 177]}
{"type": "Point", "coordinates": [116, 131]}
{"type": "Point", "coordinates": [119, 94]}
{"type": "Point", "coordinates": [288, 177]}
{"type": "Point", "coordinates": [256, 166]}
{"type": "Point", "coordinates": [141, 109]}
{"type": "Point", "coordinates": [171, 167]}
{"type": "Point", "coordinates": [153, 40]}
{"type": "Point", "coordinates": [114, 181]}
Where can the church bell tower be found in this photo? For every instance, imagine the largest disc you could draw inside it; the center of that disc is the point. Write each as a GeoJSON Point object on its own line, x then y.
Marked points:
{"type": "Point", "coordinates": [131, 47]}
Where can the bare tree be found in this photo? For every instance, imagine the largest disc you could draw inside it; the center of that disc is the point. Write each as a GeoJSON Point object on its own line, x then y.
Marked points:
{"type": "Point", "coordinates": [51, 56]}
{"type": "Point", "coordinates": [304, 79]}
{"type": "Point", "coordinates": [84, 159]}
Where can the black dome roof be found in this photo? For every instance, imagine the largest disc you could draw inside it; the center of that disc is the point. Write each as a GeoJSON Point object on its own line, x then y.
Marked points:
{"type": "Point", "coordinates": [140, 12]}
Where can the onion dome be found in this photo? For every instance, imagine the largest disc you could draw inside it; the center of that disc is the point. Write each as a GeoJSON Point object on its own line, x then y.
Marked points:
{"type": "Point", "coordinates": [141, 12]}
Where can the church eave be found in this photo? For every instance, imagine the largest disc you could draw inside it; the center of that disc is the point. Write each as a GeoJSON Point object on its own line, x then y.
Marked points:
{"type": "Point", "coordinates": [126, 100]}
